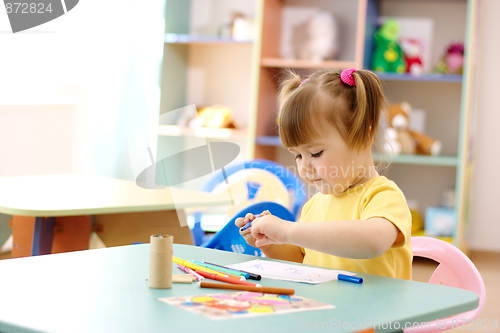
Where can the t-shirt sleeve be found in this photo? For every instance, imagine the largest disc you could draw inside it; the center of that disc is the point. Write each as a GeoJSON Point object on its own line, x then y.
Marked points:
{"type": "Point", "coordinates": [387, 201]}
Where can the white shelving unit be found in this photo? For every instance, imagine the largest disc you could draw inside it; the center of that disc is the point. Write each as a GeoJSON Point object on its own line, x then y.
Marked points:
{"type": "Point", "coordinates": [202, 68]}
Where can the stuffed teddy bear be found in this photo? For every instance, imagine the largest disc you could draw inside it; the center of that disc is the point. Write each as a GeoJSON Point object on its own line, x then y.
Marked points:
{"type": "Point", "coordinates": [408, 141]}
{"type": "Point", "coordinates": [388, 55]}
{"type": "Point", "coordinates": [412, 49]}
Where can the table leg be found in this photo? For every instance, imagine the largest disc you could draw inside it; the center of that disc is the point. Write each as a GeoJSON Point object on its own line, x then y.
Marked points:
{"type": "Point", "coordinates": [43, 236]}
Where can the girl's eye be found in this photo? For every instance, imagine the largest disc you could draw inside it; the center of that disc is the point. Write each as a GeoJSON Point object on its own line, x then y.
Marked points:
{"type": "Point", "coordinates": [298, 156]}
{"type": "Point", "coordinates": [318, 154]}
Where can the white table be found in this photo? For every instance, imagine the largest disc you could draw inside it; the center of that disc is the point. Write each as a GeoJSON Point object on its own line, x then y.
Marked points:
{"type": "Point", "coordinates": [105, 198]}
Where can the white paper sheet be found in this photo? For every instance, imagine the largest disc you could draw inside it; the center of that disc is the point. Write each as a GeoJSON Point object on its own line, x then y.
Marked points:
{"type": "Point", "coordinates": [289, 272]}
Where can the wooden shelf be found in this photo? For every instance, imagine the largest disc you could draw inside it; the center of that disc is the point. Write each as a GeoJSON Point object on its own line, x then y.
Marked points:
{"type": "Point", "coordinates": [297, 63]}
{"type": "Point", "coordinates": [205, 132]}
{"type": "Point", "coordinates": [190, 39]}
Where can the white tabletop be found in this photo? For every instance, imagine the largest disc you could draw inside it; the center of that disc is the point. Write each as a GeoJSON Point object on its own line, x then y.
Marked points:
{"type": "Point", "coordinates": [74, 194]}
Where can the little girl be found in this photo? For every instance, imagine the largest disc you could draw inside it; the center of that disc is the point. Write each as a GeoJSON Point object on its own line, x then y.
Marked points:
{"type": "Point", "coordinates": [358, 221]}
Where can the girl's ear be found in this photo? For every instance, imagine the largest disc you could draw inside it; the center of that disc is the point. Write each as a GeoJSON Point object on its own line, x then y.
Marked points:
{"type": "Point", "coordinates": [370, 140]}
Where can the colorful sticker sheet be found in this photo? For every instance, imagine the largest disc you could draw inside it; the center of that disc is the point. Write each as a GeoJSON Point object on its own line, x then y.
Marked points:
{"type": "Point", "coordinates": [244, 304]}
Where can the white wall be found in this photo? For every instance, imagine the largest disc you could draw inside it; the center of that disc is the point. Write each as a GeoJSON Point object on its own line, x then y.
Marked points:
{"type": "Point", "coordinates": [485, 218]}
{"type": "Point", "coordinates": [106, 53]}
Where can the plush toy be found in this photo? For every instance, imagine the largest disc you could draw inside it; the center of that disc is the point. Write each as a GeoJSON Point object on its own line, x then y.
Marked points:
{"type": "Point", "coordinates": [408, 141]}
{"type": "Point", "coordinates": [388, 55]}
{"type": "Point", "coordinates": [316, 39]}
{"type": "Point", "coordinates": [412, 49]}
{"type": "Point", "coordinates": [216, 116]}
{"type": "Point", "coordinates": [453, 60]}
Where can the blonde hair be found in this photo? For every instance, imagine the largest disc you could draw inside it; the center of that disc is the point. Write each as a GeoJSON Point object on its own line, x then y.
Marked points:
{"type": "Point", "coordinates": [305, 105]}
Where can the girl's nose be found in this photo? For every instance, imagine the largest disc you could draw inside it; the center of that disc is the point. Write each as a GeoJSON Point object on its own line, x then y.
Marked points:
{"type": "Point", "coordinates": [307, 166]}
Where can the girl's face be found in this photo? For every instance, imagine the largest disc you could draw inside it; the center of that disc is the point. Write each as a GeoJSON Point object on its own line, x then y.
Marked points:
{"type": "Point", "coordinates": [330, 165]}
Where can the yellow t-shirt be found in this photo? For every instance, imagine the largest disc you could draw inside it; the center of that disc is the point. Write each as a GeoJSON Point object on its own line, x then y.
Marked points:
{"type": "Point", "coordinates": [378, 197]}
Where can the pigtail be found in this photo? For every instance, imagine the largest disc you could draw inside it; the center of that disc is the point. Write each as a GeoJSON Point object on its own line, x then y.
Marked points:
{"type": "Point", "coordinates": [291, 82]}
{"type": "Point", "coordinates": [368, 106]}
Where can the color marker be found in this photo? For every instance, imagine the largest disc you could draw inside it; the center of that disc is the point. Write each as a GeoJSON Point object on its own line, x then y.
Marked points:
{"type": "Point", "coordinates": [226, 279]}
{"type": "Point", "coordinates": [270, 290]}
{"type": "Point", "coordinates": [250, 275]}
{"type": "Point", "coordinates": [348, 278]}
{"type": "Point", "coordinates": [190, 271]}
{"type": "Point", "coordinates": [249, 224]}
{"type": "Point", "coordinates": [196, 267]}
{"type": "Point", "coordinates": [221, 269]}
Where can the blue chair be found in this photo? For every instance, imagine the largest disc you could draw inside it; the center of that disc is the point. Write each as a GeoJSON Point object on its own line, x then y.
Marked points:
{"type": "Point", "coordinates": [293, 188]}
{"type": "Point", "coordinates": [229, 238]}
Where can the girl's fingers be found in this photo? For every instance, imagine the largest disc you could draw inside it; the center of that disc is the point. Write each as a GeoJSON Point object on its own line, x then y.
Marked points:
{"type": "Point", "coordinates": [262, 241]}
{"type": "Point", "coordinates": [240, 222]}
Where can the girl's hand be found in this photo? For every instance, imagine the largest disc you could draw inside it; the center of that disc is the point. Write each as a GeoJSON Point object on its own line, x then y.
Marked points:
{"type": "Point", "coordinates": [240, 222]}
{"type": "Point", "coordinates": [269, 230]}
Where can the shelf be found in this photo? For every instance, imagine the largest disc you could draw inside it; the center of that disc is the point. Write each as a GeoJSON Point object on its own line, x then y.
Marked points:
{"type": "Point", "coordinates": [190, 39]}
{"type": "Point", "coordinates": [398, 159]}
{"type": "Point", "coordinates": [296, 63]}
{"type": "Point", "coordinates": [422, 233]}
{"type": "Point", "coordinates": [205, 132]}
{"type": "Point", "coordinates": [423, 160]}
{"type": "Point", "coordinates": [430, 77]}
{"type": "Point", "coordinates": [268, 141]}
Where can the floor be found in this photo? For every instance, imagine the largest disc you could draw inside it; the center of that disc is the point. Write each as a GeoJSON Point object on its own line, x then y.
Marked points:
{"type": "Point", "coordinates": [488, 265]}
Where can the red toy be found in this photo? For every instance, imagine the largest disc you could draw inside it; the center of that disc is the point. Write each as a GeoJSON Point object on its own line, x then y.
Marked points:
{"type": "Point", "coordinates": [412, 49]}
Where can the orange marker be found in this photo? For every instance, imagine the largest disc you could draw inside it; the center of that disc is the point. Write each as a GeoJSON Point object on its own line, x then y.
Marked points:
{"type": "Point", "coordinates": [270, 290]}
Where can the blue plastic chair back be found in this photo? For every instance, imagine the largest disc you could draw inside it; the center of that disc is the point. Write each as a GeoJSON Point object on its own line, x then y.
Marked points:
{"type": "Point", "coordinates": [293, 183]}
{"type": "Point", "coordinates": [229, 238]}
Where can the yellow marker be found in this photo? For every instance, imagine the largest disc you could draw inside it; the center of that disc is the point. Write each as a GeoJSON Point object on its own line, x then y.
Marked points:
{"type": "Point", "coordinates": [196, 267]}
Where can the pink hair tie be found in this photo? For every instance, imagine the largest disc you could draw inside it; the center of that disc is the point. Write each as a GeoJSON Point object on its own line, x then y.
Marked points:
{"type": "Point", "coordinates": [347, 78]}
{"type": "Point", "coordinates": [301, 83]}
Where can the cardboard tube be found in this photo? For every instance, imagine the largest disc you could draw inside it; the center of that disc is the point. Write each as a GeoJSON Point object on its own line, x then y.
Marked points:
{"type": "Point", "coordinates": [161, 261]}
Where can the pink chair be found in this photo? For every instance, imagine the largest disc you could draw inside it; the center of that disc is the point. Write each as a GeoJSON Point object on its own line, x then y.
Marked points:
{"type": "Point", "coordinates": [455, 269]}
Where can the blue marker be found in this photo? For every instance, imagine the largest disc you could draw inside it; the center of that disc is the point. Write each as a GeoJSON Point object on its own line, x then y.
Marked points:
{"type": "Point", "coordinates": [353, 279]}
{"type": "Point", "coordinates": [248, 225]}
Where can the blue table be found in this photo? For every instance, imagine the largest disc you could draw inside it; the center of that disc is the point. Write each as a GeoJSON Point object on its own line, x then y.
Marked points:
{"type": "Point", "coordinates": [106, 290]}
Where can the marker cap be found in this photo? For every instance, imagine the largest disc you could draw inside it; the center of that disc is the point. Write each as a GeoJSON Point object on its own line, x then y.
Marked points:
{"type": "Point", "coordinates": [348, 278]}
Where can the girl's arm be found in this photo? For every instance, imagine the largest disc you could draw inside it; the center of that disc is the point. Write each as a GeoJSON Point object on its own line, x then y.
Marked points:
{"type": "Point", "coordinates": [283, 251]}
{"type": "Point", "coordinates": [359, 239]}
